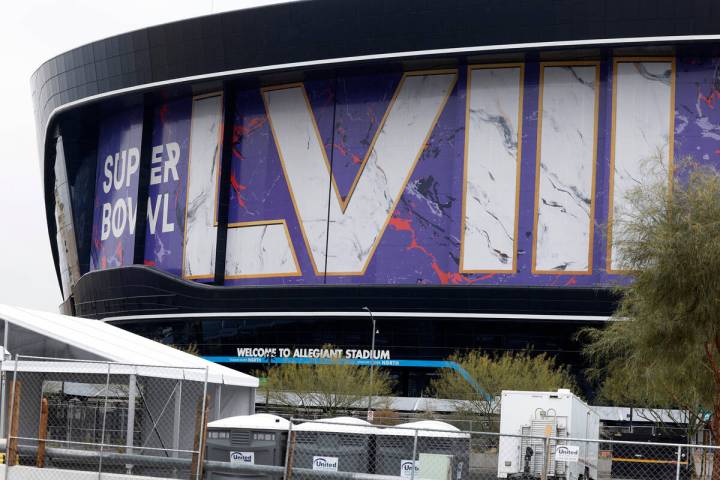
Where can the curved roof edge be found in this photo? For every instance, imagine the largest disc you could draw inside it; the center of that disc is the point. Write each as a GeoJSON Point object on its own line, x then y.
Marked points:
{"type": "Point", "coordinates": [116, 345]}
{"type": "Point", "coordinates": [325, 32]}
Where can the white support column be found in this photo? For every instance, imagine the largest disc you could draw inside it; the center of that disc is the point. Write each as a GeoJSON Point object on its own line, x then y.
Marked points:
{"type": "Point", "coordinates": [177, 419]}
{"type": "Point", "coordinates": [129, 439]}
{"type": "Point", "coordinates": [3, 395]}
{"type": "Point", "coordinates": [132, 393]}
{"type": "Point", "coordinates": [214, 415]}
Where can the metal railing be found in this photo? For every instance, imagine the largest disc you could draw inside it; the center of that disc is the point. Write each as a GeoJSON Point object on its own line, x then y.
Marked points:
{"type": "Point", "coordinates": [111, 418]}
{"type": "Point", "coordinates": [66, 419]}
{"type": "Point", "coordinates": [460, 455]}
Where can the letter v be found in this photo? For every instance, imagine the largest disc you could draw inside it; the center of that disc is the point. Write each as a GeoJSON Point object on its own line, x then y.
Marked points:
{"type": "Point", "coordinates": [357, 224]}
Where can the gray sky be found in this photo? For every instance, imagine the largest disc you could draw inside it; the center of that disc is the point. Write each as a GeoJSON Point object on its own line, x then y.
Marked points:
{"type": "Point", "coordinates": [31, 32]}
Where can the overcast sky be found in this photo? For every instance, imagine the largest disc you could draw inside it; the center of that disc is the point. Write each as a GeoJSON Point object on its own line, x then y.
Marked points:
{"type": "Point", "coordinates": [31, 32]}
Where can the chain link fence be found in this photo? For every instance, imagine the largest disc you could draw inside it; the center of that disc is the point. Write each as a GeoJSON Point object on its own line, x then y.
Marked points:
{"type": "Point", "coordinates": [319, 449]}
{"type": "Point", "coordinates": [68, 419]}
{"type": "Point", "coordinates": [107, 418]}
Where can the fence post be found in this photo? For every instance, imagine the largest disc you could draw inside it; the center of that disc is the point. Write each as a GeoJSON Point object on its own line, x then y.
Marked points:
{"type": "Point", "coordinates": [14, 397]}
{"type": "Point", "coordinates": [546, 456]}
{"type": "Point", "coordinates": [177, 417]}
{"type": "Point", "coordinates": [14, 425]}
{"type": "Point", "coordinates": [130, 426]}
{"type": "Point", "coordinates": [196, 444]}
{"type": "Point", "coordinates": [198, 456]}
{"type": "Point", "coordinates": [414, 461]}
{"type": "Point", "coordinates": [203, 436]}
{"type": "Point", "coordinates": [677, 466]}
{"type": "Point", "coordinates": [3, 403]}
{"type": "Point", "coordinates": [42, 433]}
{"type": "Point", "coordinates": [289, 451]}
{"type": "Point", "coordinates": [203, 430]}
{"type": "Point", "coordinates": [102, 432]}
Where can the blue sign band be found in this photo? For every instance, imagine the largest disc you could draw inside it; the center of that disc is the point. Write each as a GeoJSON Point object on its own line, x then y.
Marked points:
{"type": "Point", "coordinates": [358, 361]}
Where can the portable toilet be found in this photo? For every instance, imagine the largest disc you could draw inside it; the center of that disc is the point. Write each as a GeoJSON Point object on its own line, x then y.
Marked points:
{"type": "Point", "coordinates": [339, 444]}
{"type": "Point", "coordinates": [394, 452]}
{"type": "Point", "coordinates": [395, 448]}
{"type": "Point", "coordinates": [259, 439]}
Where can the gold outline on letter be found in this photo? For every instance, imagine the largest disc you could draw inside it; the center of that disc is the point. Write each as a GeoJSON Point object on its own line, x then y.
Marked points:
{"type": "Point", "coordinates": [217, 179]}
{"type": "Point", "coordinates": [591, 231]}
{"type": "Point", "coordinates": [265, 223]}
{"type": "Point", "coordinates": [521, 67]}
{"type": "Point", "coordinates": [671, 143]}
{"type": "Point", "coordinates": [344, 204]}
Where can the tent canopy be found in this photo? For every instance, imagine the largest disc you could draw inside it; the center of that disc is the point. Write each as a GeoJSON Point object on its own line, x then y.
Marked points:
{"type": "Point", "coordinates": [258, 421]}
{"type": "Point", "coordinates": [96, 340]}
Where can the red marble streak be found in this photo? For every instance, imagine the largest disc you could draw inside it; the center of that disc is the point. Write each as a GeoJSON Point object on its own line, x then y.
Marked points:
{"type": "Point", "coordinates": [342, 149]}
{"type": "Point", "coordinates": [103, 262]}
{"type": "Point", "coordinates": [250, 126]}
{"type": "Point", "coordinates": [119, 253]}
{"type": "Point", "coordinates": [149, 263]}
{"type": "Point", "coordinates": [405, 225]}
{"type": "Point", "coordinates": [96, 237]}
{"type": "Point", "coordinates": [238, 187]}
{"type": "Point", "coordinates": [163, 112]}
{"type": "Point", "coordinates": [571, 281]}
{"type": "Point", "coordinates": [338, 146]}
{"type": "Point", "coordinates": [356, 159]}
{"type": "Point", "coordinates": [712, 100]}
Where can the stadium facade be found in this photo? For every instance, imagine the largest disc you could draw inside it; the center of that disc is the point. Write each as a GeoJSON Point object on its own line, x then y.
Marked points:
{"type": "Point", "coordinates": [250, 181]}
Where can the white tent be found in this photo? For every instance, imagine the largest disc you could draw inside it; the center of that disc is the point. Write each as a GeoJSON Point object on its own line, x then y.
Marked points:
{"type": "Point", "coordinates": [104, 342]}
{"type": "Point", "coordinates": [166, 383]}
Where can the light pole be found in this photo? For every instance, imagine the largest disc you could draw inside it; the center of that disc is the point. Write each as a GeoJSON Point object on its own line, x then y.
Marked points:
{"type": "Point", "coordinates": [372, 359]}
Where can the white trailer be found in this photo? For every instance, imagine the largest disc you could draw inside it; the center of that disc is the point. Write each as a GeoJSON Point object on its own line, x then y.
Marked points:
{"type": "Point", "coordinates": [528, 418]}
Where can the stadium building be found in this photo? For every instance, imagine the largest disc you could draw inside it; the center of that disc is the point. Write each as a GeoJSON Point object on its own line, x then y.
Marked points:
{"type": "Point", "coordinates": [263, 183]}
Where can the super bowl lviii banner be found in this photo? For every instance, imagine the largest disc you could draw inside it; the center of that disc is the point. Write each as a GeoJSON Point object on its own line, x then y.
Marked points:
{"type": "Point", "coordinates": [503, 174]}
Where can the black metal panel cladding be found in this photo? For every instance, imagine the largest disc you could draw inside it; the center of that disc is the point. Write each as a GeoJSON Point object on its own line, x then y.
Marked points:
{"type": "Point", "coordinates": [316, 30]}
{"type": "Point", "coordinates": [325, 29]}
{"type": "Point", "coordinates": [141, 290]}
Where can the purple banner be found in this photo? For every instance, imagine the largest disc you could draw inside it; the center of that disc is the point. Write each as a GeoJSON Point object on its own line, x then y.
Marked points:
{"type": "Point", "coordinates": [116, 188]}
{"type": "Point", "coordinates": [167, 189]}
{"type": "Point", "coordinates": [484, 175]}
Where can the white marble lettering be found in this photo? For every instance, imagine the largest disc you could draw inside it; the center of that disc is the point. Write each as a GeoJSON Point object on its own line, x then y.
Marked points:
{"type": "Point", "coordinates": [492, 166]}
{"type": "Point", "coordinates": [356, 226]}
{"type": "Point", "coordinates": [564, 224]}
{"type": "Point", "coordinates": [203, 178]}
{"type": "Point", "coordinates": [642, 127]}
{"type": "Point", "coordinates": [260, 251]}
{"type": "Point", "coordinates": [65, 236]}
